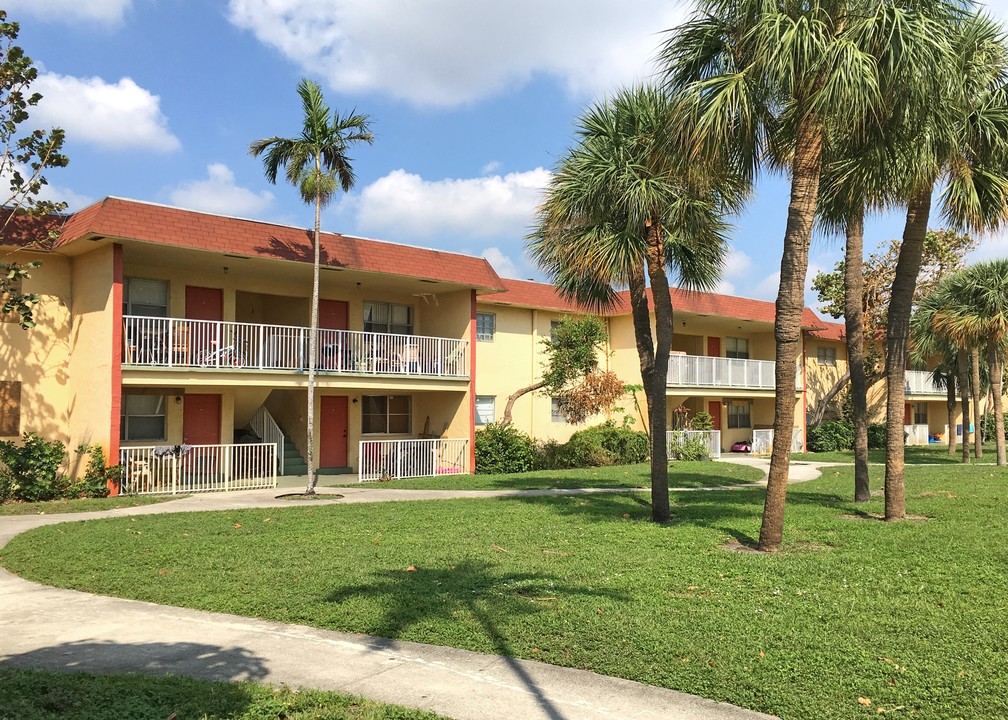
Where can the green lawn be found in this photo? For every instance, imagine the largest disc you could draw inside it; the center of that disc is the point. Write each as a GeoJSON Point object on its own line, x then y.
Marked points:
{"type": "Point", "coordinates": [53, 507]}
{"type": "Point", "coordinates": [681, 474]}
{"type": "Point", "coordinates": [36, 695]}
{"type": "Point", "coordinates": [908, 616]}
{"type": "Point", "coordinates": [935, 454]}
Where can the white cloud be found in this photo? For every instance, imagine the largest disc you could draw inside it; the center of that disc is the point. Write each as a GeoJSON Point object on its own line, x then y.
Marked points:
{"type": "Point", "coordinates": [109, 12]}
{"type": "Point", "coordinates": [112, 115]}
{"type": "Point", "coordinates": [458, 51]}
{"type": "Point", "coordinates": [53, 193]}
{"type": "Point", "coordinates": [766, 289]}
{"type": "Point", "coordinates": [990, 248]}
{"type": "Point", "coordinates": [737, 264]}
{"type": "Point", "coordinates": [504, 265]}
{"type": "Point", "coordinates": [491, 167]}
{"type": "Point", "coordinates": [403, 205]}
{"type": "Point", "coordinates": [724, 287]}
{"type": "Point", "coordinates": [219, 194]}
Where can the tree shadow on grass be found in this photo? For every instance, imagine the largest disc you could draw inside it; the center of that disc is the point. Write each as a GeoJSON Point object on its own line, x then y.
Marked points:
{"type": "Point", "coordinates": [469, 588]}
{"type": "Point", "coordinates": [37, 694]}
{"type": "Point", "coordinates": [208, 662]}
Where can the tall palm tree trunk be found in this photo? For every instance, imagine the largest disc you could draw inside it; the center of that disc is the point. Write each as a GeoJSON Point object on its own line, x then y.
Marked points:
{"type": "Point", "coordinates": [950, 403]}
{"type": "Point", "coordinates": [897, 341]}
{"type": "Point", "coordinates": [997, 380]}
{"type": "Point", "coordinates": [962, 365]}
{"type": "Point", "coordinates": [313, 351]}
{"type": "Point", "coordinates": [977, 412]}
{"type": "Point", "coordinates": [641, 316]}
{"type": "Point", "coordinates": [806, 168]}
{"type": "Point", "coordinates": [854, 322]}
{"type": "Point", "coordinates": [658, 275]}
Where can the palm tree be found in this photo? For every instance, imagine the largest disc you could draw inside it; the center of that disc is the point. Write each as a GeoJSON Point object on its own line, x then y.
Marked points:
{"type": "Point", "coordinates": [767, 84]}
{"type": "Point", "coordinates": [927, 343]}
{"type": "Point", "coordinates": [315, 162]}
{"type": "Point", "coordinates": [624, 209]}
{"type": "Point", "coordinates": [977, 314]}
{"type": "Point", "coordinates": [961, 138]}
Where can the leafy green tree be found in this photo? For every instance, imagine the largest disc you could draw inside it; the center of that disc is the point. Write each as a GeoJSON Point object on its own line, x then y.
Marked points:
{"type": "Point", "coordinates": [624, 209]}
{"type": "Point", "coordinates": [571, 371]}
{"type": "Point", "coordinates": [769, 85]}
{"type": "Point", "coordinates": [977, 315]}
{"type": "Point", "coordinates": [316, 163]}
{"type": "Point", "coordinates": [26, 157]}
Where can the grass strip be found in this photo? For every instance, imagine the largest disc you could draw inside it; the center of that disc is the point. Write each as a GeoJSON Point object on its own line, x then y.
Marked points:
{"type": "Point", "coordinates": [43, 695]}
{"type": "Point", "coordinates": [855, 618]}
{"type": "Point", "coordinates": [55, 507]}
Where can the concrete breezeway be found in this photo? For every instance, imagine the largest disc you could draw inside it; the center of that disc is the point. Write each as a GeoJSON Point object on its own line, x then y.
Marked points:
{"type": "Point", "coordinates": [45, 627]}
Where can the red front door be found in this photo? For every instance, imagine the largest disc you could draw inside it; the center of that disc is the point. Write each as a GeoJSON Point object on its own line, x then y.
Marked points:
{"type": "Point", "coordinates": [714, 347]}
{"type": "Point", "coordinates": [202, 303]}
{"type": "Point", "coordinates": [201, 419]}
{"type": "Point", "coordinates": [714, 408]}
{"type": "Point", "coordinates": [333, 432]}
{"type": "Point", "coordinates": [332, 314]}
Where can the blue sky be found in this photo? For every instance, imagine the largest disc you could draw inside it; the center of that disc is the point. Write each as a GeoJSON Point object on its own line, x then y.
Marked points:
{"type": "Point", "coordinates": [472, 103]}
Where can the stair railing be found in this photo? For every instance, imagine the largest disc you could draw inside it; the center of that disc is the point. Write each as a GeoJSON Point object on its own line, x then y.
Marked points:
{"type": "Point", "coordinates": [266, 428]}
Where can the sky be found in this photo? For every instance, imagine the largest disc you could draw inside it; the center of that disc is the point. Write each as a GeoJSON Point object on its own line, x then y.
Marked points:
{"type": "Point", "coordinates": [472, 104]}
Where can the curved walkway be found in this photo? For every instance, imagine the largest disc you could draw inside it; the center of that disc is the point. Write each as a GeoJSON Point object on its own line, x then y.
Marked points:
{"type": "Point", "coordinates": [45, 627]}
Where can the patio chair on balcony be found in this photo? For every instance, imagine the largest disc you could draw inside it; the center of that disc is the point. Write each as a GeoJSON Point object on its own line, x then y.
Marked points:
{"type": "Point", "coordinates": [180, 345]}
{"type": "Point", "coordinates": [408, 360]}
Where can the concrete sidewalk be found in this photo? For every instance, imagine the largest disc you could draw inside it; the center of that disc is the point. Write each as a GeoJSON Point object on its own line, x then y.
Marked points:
{"type": "Point", "coordinates": [46, 627]}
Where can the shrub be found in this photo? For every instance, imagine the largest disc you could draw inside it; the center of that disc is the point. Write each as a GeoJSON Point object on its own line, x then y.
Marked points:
{"type": "Point", "coordinates": [30, 471]}
{"type": "Point", "coordinates": [606, 444]}
{"type": "Point", "coordinates": [876, 436]}
{"type": "Point", "coordinates": [702, 421]}
{"type": "Point", "coordinates": [690, 448]}
{"type": "Point", "coordinates": [96, 479]}
{"type": "Point", "coordinates": [503, 449]}
{"type": "Point", "coordinates": [831, 436]}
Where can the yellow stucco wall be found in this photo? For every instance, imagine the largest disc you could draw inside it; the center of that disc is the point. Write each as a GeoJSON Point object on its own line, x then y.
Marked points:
{"type": "Point", "coordinates": [91, 348]}
{"type": "Point", "coordinates": [39, 357]}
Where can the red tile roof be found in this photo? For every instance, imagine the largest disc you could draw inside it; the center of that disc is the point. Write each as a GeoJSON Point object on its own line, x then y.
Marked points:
{"type": "Point", "coordinates": [525, 293]}
{"type": "Point", "coordinates": [830, 330]}
{"type": "Point", "coordinates": [23, 230]}
{"type": "Point", "coordinates": [119, 218]}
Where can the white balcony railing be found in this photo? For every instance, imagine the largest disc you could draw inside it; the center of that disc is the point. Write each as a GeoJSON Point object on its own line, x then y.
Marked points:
{"type": "Point", "coordinates": [176, 469]}
{"type": "Point", "coordinates": [710, 438]}
{"type": "Point", "coordinates": [762, 441]}
{"type": "Point", "coordinates": [263, 425]}
{"type": "Point", "coordinates": [428, 457]}
{"type": "Point", "coordinates": [920, 382]}
{"type": "Point", "coordinates": [719, 372]}
{"type": "Point", "coordinates": [180, 343]}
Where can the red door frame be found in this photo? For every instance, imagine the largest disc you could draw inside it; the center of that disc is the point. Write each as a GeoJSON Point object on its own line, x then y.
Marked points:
{"type": "Point", "coordinates": [714, 408]}
{"type": "Point", "coordinates": [203, 303]}
{"type": "Point", "coordinates": [714, 347]}
{"type": "Point", "coordinates": [333, 424]}
{"type": "Point", "coordinates": [201, 419]}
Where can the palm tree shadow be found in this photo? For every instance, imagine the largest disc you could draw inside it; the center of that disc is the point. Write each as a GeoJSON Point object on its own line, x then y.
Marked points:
{"type": "Point", "coordinates": [413, 596]}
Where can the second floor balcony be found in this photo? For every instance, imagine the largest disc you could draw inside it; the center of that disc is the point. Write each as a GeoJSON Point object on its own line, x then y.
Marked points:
{"type": "Point", "coordinates": [182, 344]}
{"type": "Point", "coordinates": [920, 382]}
{"type": "Point", "coordinates": [723, 373]}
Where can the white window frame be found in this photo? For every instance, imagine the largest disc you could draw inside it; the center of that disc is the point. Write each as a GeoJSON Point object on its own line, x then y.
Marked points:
{"type": "Point", "coordinates": [128, 305]}
{"type": "Point", "coordinates": [387, 415]}
{"type": "Point", "coordinates": [488, 402]}
{"type": "Point", "coordinates": [918, 417]}
{"type": "Point", "coordinates": [126, 435]}
{"type": "Point", "coordinates": [826, 355]}
{"type": "Point", "coordinates": [555, 414]}
{"type": "Point", "coordinates": [737, 348]}
{"type": "Point", "coordinates": [482, 334]}
{"type": "Point", "coordinates": [399, 328]}
{"type": "Point", "coordinates": [734, 420]}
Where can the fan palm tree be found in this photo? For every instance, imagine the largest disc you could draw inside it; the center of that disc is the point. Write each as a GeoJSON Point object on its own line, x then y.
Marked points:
{"type": "Point", "coordinates": [926, 343]}
{"type": "Point", "coordinates": [623, 210]}
{"type": "Point", "coordinates": [316, 163]}
{"type": "Point", "coordinates": [960, 140]}
{"type": "Point", "coordinates": [977, 314]}
{"type": "Point", "coordinates": [766, 84]}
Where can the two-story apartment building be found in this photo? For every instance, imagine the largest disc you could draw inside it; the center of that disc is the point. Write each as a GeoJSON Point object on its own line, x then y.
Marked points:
{"type": "Point", "coordinates": [161, 327]}
{"type": "Point", "coordinates": [178, 341]}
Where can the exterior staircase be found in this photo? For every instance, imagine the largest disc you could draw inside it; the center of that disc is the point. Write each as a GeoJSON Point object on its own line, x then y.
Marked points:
{"type": "Point", "coordinates": [294, 462]}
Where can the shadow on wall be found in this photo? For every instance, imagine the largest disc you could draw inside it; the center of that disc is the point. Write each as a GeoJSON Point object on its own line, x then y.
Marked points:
{"type": "Point", "coordinates": [208, 662]}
